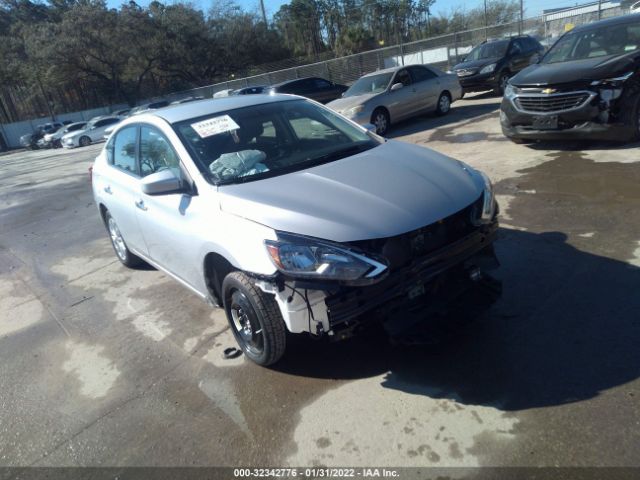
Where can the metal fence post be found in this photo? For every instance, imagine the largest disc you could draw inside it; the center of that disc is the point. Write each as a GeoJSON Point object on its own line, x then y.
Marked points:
{"type": "Point", "coordinates": [326, 66]}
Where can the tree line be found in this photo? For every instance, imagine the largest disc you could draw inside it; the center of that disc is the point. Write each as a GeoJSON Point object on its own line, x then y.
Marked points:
{"type": "Point", "coordinates": [65, 55]}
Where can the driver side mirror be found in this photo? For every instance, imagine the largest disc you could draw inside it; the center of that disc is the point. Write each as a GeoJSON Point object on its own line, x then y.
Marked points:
{"type": "Point", "coordinates": [396, 86]}
{"type": "Point", "coordinates": [163, 182]}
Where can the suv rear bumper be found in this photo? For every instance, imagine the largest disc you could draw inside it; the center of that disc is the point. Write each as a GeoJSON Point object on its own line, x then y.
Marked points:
{"type": "Point", "coordinates": [479, 82]}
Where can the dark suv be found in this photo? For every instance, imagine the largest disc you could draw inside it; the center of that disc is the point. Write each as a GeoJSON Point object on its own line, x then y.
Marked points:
{"type": "Point", "coordinates": [490, 65]}
{"type": "Point", "coordinates": [586, 86]}
{"type": "Point", "coordinates": [315, 88]}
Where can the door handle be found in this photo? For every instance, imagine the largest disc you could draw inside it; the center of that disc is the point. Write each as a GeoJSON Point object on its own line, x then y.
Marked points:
{"type": "Point", "coordinates": [140, 204]}
{"type": "Point", "coordinates": [107, 189]}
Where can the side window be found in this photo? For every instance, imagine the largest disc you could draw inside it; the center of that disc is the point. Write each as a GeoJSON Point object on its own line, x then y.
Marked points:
{"type": "Point", "coordinates": [403, 77]}
{"type": "Point", "coordinates": [516, 47]}
{"type": "Point", "coordinates": [421, 74]}
{"type": "Point", "coordinates": [123, 155]}
{"type": "Point", "coordinates": [155, 152]}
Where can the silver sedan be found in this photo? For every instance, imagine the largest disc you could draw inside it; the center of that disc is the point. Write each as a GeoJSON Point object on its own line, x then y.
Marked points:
{"type": "Point", "coordinates": [388, 96]}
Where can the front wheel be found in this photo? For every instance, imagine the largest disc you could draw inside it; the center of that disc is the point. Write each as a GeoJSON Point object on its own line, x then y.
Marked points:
{"type": "Point", "coordinates": [444, 104]}
{"type": "Point", "coordinates": [380, 119]}
{"type": "Point", "coordinates": [502, 84]}
{"type": "Point", "coordinates": [85, 141]}
{"type": "Point", "coordinates": [255, 319]}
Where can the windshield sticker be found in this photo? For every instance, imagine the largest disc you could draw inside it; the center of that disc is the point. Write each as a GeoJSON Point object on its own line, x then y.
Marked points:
{"type": "Point", "coordinates": [215, 126]}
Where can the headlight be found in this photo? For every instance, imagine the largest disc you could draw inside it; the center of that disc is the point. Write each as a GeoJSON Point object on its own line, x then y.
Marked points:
{"type": "Point", "coordinates": [488, 203]}
{"type": "Point", "coordinates": [489, 68]}
{"type": "Point", "coordinates": [613, 81]}
{"type": "Point", "coordinates": [303, 257]}
{"type": "Point", "coordinates": [510, 90]}
{"type": "Point", "coordinates": [353, 111]}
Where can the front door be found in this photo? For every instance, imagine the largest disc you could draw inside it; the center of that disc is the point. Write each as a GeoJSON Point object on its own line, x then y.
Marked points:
{"type": "Point", "coordinates": [402, 103]}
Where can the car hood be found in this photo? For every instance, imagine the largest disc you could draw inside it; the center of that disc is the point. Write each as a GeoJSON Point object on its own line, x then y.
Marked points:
{"type": "Point", "coordinates": [475, 64]}
{"type": "Point", "coordinates": [345, 103]}
{"type": "Point", "coordinates": [574, 71]}
{"type": "Point", "coordinates": [385, 191]}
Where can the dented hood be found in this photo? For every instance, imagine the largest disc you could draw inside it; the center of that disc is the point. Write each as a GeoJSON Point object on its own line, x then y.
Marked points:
{"type": "Point", "coordinates": [385, 191]}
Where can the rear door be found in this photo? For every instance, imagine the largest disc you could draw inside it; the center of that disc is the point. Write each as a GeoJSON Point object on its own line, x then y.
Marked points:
{"type": "Point", "coordinates": [427, 86]}
{"type": "Point", "coordinates": [121, 184]}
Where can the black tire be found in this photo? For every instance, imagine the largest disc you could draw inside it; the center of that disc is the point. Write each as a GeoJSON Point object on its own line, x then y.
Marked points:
{"type": "Point", "coordinates": [444, 104]}
{"type": "Point", "coordinates": [84, 141]}
{"type": "Point", "coordinates": [521, 141]}
{"type": "Point", "coordinates": [380, 118]}
{"type": "Point", "coordinates": [503, 78]}
{"type": "Point", "coordinates": [121, 250]}
{"type": "Point", "coordinates": [254, 318]}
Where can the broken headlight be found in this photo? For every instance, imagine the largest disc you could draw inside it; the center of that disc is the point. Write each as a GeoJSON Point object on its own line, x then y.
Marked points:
{"type": "Point", "coordinates": [488, 209]}
{"type": "Point", "coordinates": [613, 82]}
{"type": "Point", "coordinates": [311, 258]}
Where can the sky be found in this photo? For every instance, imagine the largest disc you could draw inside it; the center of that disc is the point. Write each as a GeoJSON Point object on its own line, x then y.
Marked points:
{"type": "Point", "coordinates": [532, 7]}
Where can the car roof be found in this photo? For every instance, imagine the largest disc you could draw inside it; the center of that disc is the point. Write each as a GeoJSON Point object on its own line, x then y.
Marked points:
{"type": "Point", "coordinates": [186, 111]}
{"type": "Point", "coordinates": [635, 17]}
{"type": "Point", "coordinates": [294, 80]}
{"type": "Point", "coordinates": [395, 69]}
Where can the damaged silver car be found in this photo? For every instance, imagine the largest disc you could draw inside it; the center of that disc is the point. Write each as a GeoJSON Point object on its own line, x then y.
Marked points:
{"type": "Point", "coordinates": [294, 219]}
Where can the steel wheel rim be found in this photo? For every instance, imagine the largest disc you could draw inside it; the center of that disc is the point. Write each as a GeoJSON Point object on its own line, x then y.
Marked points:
{"type": "Point", "coordinates": [444, 103]}
{"type": "Point", "coordinates": [246, 324]}
{"type": "Point", "coordinates": [117, 240]}
{"type": "Point", "coordinates": [380, 123]}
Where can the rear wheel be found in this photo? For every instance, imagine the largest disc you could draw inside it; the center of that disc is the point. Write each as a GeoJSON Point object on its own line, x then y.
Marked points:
{"type": "Point", "coordinates": [119, 246]}
{"type": "Point", "coordinates": [444, 104]}
{"type": "Point", "coordinates": [380, 118]}
{"type": "Point", "coordinates": [254, 318]}
{"type": "Point", "coordinates": [85, 141]}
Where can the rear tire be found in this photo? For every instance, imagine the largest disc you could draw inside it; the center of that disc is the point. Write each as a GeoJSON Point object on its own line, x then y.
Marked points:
{"type": "Point", "coordinates": [254, 318]}
{"type": "Point", "coordinates": [123, 253]}
{"type": "Point", "coordinates": [444, 104]}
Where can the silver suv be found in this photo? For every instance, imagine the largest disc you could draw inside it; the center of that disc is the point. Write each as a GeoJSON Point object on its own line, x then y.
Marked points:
{"type": "Point", "coordinates": [293, 218]}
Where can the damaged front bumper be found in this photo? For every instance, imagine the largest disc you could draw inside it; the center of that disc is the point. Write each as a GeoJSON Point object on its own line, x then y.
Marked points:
{"type": "Point", "coordinates": [449, 279]}
{"type": "Point", "coordinates": [527, 116]}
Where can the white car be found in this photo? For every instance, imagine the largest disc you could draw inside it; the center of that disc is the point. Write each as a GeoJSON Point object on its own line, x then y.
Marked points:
{"type": "Point", "coordinates": [93, 132]}
{"type": "Point", "coordinates": [296, 219]}
{"type": "Point", "coordinates": [54, 139]}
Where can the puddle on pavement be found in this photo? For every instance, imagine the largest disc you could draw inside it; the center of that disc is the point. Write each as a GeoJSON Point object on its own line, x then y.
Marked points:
{"type": "Point", "coordinates": [594, 203]}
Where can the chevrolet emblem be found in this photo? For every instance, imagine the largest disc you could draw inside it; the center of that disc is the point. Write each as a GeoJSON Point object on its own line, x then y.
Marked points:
{"type": "Point", "coordinates": [549, 90]}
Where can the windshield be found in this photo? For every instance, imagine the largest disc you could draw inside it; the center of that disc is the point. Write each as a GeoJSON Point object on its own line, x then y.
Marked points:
{"type": "Point", "coordinates": [369, 84]}
{"type": "Point", "coordinates": [268, 140]}
{"type": "Point", "coordinates": [597, 42]}
{"type": "Point", "coordinates": [488, 50]}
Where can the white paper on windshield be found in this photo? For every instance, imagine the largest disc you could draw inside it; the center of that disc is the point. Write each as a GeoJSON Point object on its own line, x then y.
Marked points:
{"type": "Point", "coordinates": [214, 126]}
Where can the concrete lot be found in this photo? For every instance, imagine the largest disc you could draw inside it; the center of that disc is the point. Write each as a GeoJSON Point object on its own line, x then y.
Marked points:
{"type": "Point", "coordinates": [100, 365]}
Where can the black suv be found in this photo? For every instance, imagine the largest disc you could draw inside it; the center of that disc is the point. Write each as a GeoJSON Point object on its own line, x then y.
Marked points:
{"type": "Point", "coordinates": [490, 65]}
{"type": "Point", "coordinates": [315, 88]}
{"type": "Point", "coordinates": [586, 86]}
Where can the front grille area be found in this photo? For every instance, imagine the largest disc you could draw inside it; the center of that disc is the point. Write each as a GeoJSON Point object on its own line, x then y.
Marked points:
{"type": "Point", "coordinates": [403, 249]}
{"type": "Point", "coordinates": [551, 103]}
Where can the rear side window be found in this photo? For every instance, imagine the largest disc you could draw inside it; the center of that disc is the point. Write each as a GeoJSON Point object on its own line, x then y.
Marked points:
{"type": "Point", "coordinates": [123, 155]}
{"type": "Point", "coordinates": [420, 74]}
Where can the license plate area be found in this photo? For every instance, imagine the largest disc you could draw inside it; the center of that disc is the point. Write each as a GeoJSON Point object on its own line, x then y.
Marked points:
{"type": "Point", "coordinates": [545, 122]}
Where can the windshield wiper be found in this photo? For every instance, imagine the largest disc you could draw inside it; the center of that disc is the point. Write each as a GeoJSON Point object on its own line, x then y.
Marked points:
{"type": "Point", "coordinates": [338, 154]}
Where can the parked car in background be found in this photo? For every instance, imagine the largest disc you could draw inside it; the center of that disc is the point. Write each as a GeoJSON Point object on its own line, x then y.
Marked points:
{"type": "Point", "coordinates": [121, 113]}
{"type": "Point", "coordinates": [586, 86]}
{"type": "Point", "coordinates": [30, 140]}
{"type": "Point", "coordinates": [490, 65]}
{"type": "Point", "coordinates": [93, 132]}
{"type": "Point", "coordinates": [223, 93]}
{"type": "Point", "coordinates": [255, 90]}
{"type": "Point", "coordinates": [292, 218]}
{"type": "Point", "coordinates": [315, 88]}
{"type": "Point", "coordinates": [388, 96]}
{"type": "Point", "coordinates": [54, 140]}
{"type": "Point", "coordinates": [186, 100]}
{"type": "Point", "coordinates": [635, 8]}
{"type": "Point", "coordinates": [148, 106]}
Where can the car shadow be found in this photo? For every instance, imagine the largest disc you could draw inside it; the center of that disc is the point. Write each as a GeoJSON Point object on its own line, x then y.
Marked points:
{"type": "Point", "coordinates": [461, 110]}
{"type": "Point", "coordinates": [582, 145]}
{"type": "Point", "coordinates": [566, 328]}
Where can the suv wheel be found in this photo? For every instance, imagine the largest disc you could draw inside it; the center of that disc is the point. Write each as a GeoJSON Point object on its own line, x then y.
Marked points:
{"type": "Point", "coordinates": [119, 246]}
{"type": "Point", "coordinates": [85, 141]}
{"type": "Point", "coordinates": [254, 318]}
{"type": "Point", "coordinates": [502, 84]}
